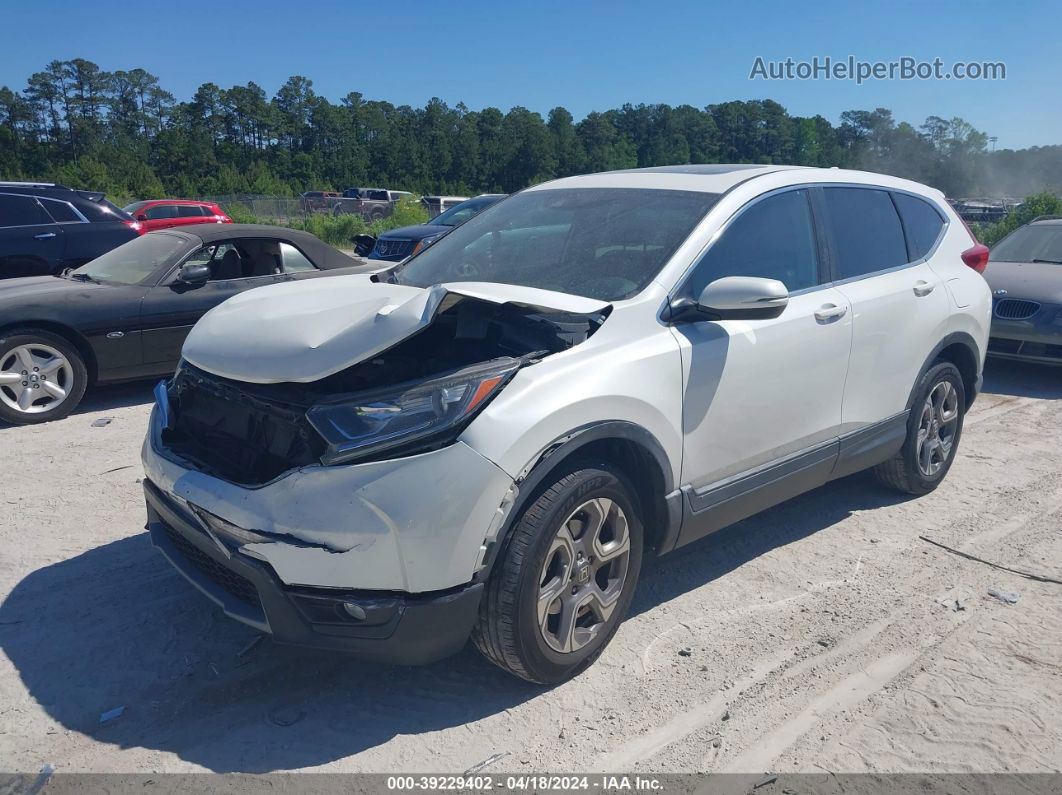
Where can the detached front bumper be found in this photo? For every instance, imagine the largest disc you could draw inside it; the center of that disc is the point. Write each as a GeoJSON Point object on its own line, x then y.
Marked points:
{"type": "Point", "coordinates": [397, 628]}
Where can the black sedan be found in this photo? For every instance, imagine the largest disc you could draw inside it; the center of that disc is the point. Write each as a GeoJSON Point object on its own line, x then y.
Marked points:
{"type": "Point", "coordinates": [124, 315]}
{"type": "Point", "coordinates": [397, 244]}
{"type": "Point", "coordinates": [1025, 274]}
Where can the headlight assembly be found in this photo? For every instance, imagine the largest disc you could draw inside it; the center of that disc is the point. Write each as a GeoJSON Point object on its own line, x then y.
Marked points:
{"type": "Point", "coordinates": [407, 416]}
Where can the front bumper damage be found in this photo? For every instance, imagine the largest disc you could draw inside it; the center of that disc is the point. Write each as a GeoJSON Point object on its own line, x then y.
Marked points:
{"type": "Point", "coordinates": [403, 629]}
{"type": "Point", "coordinates": [399, 540]}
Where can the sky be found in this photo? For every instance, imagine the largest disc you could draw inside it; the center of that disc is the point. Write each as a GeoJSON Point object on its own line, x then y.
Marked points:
{"type": "Point", "coordinates": [583, 55]}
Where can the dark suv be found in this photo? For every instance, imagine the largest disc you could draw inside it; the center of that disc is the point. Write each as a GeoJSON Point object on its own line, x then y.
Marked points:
{"type": "Point", "coordinates": [45, 228]}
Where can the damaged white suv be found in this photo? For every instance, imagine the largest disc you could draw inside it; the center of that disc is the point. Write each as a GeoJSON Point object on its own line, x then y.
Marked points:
{"type": "Point", "coordinates": [486, 440]}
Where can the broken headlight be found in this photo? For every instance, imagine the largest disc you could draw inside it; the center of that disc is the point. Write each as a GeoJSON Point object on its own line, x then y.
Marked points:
{"type": "Point", "coordinates": [407, 416]}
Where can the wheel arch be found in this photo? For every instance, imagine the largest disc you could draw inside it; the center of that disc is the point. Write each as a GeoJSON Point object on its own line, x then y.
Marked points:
{"type": "Point", "coordinates": [69, 334]}
{"type": "Point", "coordinates": [639, 456]}
{"type": "Point", "coordinates": [960, 349]}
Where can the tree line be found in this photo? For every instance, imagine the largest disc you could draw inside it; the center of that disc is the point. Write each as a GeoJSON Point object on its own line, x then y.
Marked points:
{"type": "Point", "coordinates": [123, 133]}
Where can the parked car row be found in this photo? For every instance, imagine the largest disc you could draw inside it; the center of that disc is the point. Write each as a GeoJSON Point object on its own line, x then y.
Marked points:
{"type": "Point", "coordinates": [372, 204]}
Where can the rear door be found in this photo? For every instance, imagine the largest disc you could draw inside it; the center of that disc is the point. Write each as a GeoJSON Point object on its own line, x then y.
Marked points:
{"type": "Point", "coordinates": [189, 214]}
{"type": "Point", "coordinates": [31, 243]}
{"type": "Point", "coordinates": [159, 216]}
{"type": "Point", "coordinates": [899, 305]}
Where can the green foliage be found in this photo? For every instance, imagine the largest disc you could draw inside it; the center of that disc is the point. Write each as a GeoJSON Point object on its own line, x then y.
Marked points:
{"type": "Point", "coordinates": [408, 211]}
{"type": "Point", "coordinates": [122, 133]}
{"type": "Point", "coordinates": [1033, 207]}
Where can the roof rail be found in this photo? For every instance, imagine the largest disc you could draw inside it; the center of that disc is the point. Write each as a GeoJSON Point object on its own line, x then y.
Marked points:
{"type": "Point", "coordinates": [12, 184]}
{"type": "Point", "coordinates": [1046, 218]}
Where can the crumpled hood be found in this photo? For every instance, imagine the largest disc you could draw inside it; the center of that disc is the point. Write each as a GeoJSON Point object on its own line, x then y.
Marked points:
{"type": "Point", "coordinates": [305, 331]}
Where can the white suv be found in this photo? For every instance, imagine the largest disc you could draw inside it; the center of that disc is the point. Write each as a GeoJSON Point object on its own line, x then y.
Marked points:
{"type": "Point", "coordinates": [485, 440]}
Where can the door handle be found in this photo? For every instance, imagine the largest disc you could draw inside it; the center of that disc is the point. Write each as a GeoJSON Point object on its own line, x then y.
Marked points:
{"type": "Point", "coordinates": [44, 235]}
{"type": "Point", "coordinates": [923, 288]}
{"type": "Point", "coordinates": [829, 312]}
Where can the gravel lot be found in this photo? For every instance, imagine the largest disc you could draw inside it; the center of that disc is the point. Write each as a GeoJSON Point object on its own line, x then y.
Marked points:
{"type": "Point", "coordinates": [821, 635]}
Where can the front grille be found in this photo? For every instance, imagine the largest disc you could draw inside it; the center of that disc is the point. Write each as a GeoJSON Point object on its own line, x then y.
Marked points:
{"type": "Point", "coordinates": [394, 248]}
{"type": "Point", "coordinates": [1016, 309]}
{"type": "Point", "coordinates": [234, 431]}
{"type": "Point", "coordinates": [228, 580]}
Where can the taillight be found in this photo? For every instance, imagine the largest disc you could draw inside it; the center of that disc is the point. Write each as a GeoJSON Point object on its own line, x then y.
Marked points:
{"type": "Point", "coordinates": [135, 226]}
{"type": "Point", "coordinates": [976, 257]}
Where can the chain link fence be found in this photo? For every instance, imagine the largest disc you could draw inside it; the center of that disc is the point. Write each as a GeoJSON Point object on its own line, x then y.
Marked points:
{"type": "Point", "coordinates": [266, 208]}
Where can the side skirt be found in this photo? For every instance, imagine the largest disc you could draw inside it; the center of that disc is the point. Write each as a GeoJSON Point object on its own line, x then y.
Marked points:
{"type": "Point", "coordinates": [719, 505]}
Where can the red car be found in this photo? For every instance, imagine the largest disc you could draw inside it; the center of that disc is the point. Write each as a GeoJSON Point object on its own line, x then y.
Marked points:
{"type": "Point", "coordinates": [169, 213]}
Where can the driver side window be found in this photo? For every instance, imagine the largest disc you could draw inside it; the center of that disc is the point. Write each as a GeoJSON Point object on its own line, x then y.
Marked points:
{"type": "Point", "coordinates": [773, 238]}
{"type": "Point", "coordinates": [224, 261]}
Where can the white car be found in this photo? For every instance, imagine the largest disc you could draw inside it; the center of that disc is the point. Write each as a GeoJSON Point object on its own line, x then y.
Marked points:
{"type": "Point", "coordinates": [486, 440]}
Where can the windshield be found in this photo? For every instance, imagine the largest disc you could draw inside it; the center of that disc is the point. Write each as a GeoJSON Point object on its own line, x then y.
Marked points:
{"type": "Point", "coordinates": [134, 261]}
{"type": "Point", "coordinates": [460, 213]}
{"type": "Point", "coordinates": [132, 208]}
{"type": "Point", "coordinates": [1029, 244]}
{"type": "Point", "coordinates": [604, 243]}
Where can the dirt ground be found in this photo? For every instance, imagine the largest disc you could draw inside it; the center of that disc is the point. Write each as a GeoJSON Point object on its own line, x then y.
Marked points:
{"type": "Point", "coordinates": [821, 635]}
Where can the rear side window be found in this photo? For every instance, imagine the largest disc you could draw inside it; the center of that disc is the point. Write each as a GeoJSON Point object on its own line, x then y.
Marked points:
{"type": "Point", "coordinates": [773, 238]}
{"type": "Point", "coordinates": [294, 260]}
{"type": "Point", "coordinates": [866, 231]}
{"type": "Point", "coordinates": [61, 212]}
{"type": "Point", "coordinates": [21, 211]}
{"type": "Point", "coordinates": [190, 211]}
{"type": "Point", "coordinates": [161, 211]}
{"type": "Point", "coordinates": [922, 223]}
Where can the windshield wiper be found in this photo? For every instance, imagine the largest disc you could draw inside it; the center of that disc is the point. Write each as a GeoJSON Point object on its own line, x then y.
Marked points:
{"type": "Point", "coordinates": [1051, 261]}
{"type": "Point", "coordinates": [84, 277]}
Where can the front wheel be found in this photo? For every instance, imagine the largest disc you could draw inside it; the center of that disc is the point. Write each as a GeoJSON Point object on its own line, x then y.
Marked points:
{"type": "Point", "coordinates": [933, 431]}
{"type": "Point", "coordinates": [42, 376]}
{"type": "Point", "coordinates": [566, 577]}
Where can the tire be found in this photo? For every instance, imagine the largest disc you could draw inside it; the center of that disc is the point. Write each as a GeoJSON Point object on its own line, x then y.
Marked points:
{"type": "Point", "coordinates": [56, 359]}
{"type": "Point", "coordinates": [907, 471]}
{"type": "Point", "coordinates": [511, 631]}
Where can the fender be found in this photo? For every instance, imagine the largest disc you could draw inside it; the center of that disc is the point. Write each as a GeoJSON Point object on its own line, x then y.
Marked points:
{"type": "Point", "coordinates": [970, 344]}
{"type": "Point", "coordinates": [538, 469]}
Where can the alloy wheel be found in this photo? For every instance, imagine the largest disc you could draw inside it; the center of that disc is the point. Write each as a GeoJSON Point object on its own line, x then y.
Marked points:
{"type": "Point", "coordinates": [936, 428]}
{"type": "Point", "coordinates": [583, 575]}
{"type": "Point", "coordinates": [34, 378]}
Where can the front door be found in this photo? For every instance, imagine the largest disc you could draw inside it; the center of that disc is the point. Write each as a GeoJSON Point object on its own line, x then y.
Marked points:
{"type": "Point", "coordinates": [762, 405]}
{"type": "Point", "coordinates": [170, 310]}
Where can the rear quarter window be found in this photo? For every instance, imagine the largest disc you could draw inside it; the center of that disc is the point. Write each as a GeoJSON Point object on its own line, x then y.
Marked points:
{"type": "Point", "coordinates": [922, 223]}
{"type": "Point", "coordinates": [866, 231]}
{"type": "Point", "coordinates": [61, 212]}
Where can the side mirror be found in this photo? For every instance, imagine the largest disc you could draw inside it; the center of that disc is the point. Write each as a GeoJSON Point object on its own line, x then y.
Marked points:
{"type": "Point", "coordinates": [141, 216]}
{"type": "Point", "coordinates": [194, 273]}
{"type": "Point", "coordinates": [363, 244]}
{"type": "Point", "coordinates": [735, 298]}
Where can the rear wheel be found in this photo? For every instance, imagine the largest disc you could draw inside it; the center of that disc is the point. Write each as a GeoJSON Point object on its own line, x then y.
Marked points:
{"type": "Point", "coordinates": [42, 376]}
{"type": "Point", "coordinates": [933, 431]}
{"type": "Point", "coordinates": [565, 579]}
